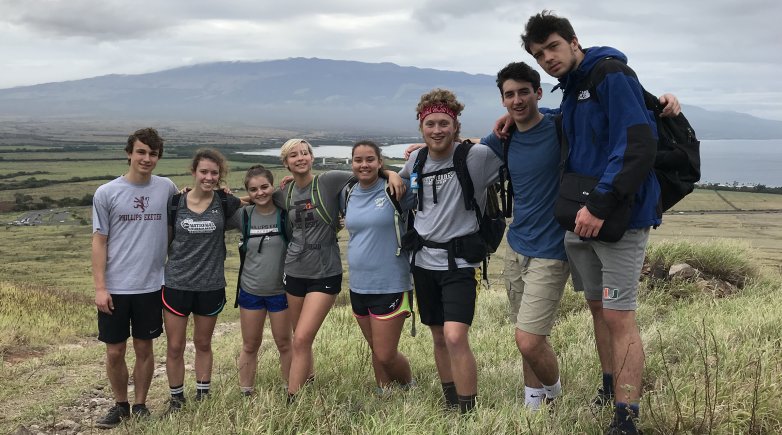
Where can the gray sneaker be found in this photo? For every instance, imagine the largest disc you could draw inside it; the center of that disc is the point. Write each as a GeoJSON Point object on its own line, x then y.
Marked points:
{"type": "Point", "coordinates": [113, 418]}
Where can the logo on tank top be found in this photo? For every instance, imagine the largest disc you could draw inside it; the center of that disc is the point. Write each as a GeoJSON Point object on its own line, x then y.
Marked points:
{"type": "Point", "coordinates": [141, 202]}
{"type": "Point", "coordinates": [196, 227]}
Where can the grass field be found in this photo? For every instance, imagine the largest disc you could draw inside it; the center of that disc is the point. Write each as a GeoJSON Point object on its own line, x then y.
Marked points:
{"type": "Point", "coordinates": [713, 364]}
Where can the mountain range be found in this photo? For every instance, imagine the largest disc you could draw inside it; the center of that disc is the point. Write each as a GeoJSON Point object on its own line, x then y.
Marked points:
{"type": "Point", "coordinates": [304, 94]}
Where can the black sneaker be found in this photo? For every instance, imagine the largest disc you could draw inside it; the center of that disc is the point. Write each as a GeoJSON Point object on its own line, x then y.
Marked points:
{"type": "Point", "coordinates": [602, 398]}
{"type": "Point", "coordinates": [175, 404]}
{"type": "Point", "coordinates": [140, 410]}
{"type": "Point", "coordinates": [113, 418]}
{"type": "Point", "coordinates": [614, 429]}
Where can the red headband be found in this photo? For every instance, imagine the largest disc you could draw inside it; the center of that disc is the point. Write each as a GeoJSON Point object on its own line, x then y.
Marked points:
{"type": "Point", "coordinates": [436, 108]}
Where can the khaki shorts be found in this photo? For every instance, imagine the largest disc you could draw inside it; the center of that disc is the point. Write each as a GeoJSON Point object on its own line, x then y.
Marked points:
{"type": "Point", "coordinates": [535, 287]}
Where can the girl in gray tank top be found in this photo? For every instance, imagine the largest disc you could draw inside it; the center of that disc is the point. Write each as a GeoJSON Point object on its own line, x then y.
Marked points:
{"type": "Point", "coordinates": [260, 289]}
{"type": "Point", "coordinates": [194, 276]}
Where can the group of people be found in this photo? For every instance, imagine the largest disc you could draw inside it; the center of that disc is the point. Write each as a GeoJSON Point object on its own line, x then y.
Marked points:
{"type": "Point", "coordinates": [154, 249]}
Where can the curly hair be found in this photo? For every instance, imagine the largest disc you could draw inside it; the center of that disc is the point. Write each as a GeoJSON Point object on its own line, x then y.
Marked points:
{"type": "Point", "coordinates": [444, 97]}
{"type": "Point", "coordinates": [215, 156]}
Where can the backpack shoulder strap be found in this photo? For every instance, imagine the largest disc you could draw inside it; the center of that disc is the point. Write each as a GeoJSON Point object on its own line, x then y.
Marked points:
{"type": "Point", "coordinates": [282, 225]}
{"type": "Point", "coordinates": [173, 207]}
{"type": "Point", "coordinates": [398, 217]}
{"type": "Point", "coordinates": [418, 166]}
{"type": "Point", "coordinates": [506, 185]}
{"type": "Point", "coordinates": [318, 200]}
{"type": "Point", "coordinates": [349, 191]}
{"type": "Point", "coordinates": [463, 173]}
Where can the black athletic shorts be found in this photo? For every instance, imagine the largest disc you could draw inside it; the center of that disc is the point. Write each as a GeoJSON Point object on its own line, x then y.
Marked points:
{"type": "Point", "coordinates": [445, 296]}
{"type": "Point", "coordinates": [381, 306]}
{"type": "Point", "coordinates": [202, 303]}
{"type": "Point", "coordinates": [299, 287]}
{"type": "Point", "coordinates": [141, 312]}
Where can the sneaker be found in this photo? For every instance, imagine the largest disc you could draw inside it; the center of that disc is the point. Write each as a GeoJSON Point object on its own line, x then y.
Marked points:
{"type": "Point", "coordinates": [615, 430]}
{"type": "Point", "coordinates": [140, 410]}
{"type": "Point", "coordinates": [175, 404]}
{"type": "Point", "coordinates": [201, 395]}
{"type": "Point", "coordinates": [602, 398]}
{"type": "Point", "coordinates": [113, 418]}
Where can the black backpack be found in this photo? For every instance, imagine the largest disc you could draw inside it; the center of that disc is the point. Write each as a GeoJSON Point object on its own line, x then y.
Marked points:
{"type": "Point", "coordinates": [282, 231]}
{"type": "Point", "coordinates": [491, 222]}
{"type": "Point", "coordinates": [678, 161]}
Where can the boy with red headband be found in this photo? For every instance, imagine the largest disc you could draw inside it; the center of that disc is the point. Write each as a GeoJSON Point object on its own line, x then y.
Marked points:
{"type": "Point", "coordinates": [446, 298]}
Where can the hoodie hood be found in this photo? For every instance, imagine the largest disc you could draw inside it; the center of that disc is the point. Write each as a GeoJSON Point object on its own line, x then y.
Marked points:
{"type": "Point", "coordinates": [592, 56]}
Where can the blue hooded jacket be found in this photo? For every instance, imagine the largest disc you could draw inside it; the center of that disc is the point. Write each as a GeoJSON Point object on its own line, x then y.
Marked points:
{"type": "Point", "coordinates": [612, 135]}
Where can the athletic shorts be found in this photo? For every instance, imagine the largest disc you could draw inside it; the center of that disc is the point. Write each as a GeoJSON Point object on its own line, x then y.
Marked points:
{"type": "Point", "coordinates": [272, 304]}
{"type": "Point", "coordinates": [535, 287]}
{"type": "Point", "coordinates": [445, 296]}
{"type": "Point", "coordinates": [608, 271]}
{"type": "Point", "coordinates": [381, 306]}
{"type": "Point", "coordinates": [201, 303]}
{"type": "Point", "coordinates": [139, 312]}
{"type": "Point", "coordinates": [299, 287]}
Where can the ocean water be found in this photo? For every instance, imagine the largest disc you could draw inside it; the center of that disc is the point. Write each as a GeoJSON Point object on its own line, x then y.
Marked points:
{"type": "Point", "coordinates": [722, 161]}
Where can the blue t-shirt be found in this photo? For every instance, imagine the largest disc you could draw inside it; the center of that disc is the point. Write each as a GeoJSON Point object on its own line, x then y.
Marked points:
{"type": "Point", "coordinates": [533, 163]}
{"type": "Point", "coordinates": [373, 266]}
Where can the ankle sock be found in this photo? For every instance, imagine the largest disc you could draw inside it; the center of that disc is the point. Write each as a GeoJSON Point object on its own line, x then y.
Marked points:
{"type": "Point", "coordinates": [467, 403]}
{"type": "Point", "coordinates": [533, 397]}
{"type": "Point", "coordinates": [177, 392]}
{"type": "Point", "coordinates": [449, 392]}
{"type": "Point", "coordinates": [202, 389]}
{"type": "Point", "coordinates": [626, 416]}
{"type": "Point", "coordinates": [125, 405]}
{"type": "Point", "coordinates": [552, 391]}
{"type": "Point", "coordinates": [608, 383]}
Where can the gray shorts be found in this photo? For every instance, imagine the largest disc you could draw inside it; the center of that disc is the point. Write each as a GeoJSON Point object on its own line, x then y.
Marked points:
{"type": "Point", "coordinates": [535, 287]}
{"type": "Point", "coordinates": [608, 271]}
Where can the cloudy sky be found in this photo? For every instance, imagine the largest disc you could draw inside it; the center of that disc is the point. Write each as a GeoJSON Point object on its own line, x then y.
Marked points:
{"type": "Point", "coordinates": [720, 54]}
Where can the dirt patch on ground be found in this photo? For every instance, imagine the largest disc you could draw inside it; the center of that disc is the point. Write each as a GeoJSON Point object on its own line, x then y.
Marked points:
{"type": "Point", "coordinates": [79, 416]}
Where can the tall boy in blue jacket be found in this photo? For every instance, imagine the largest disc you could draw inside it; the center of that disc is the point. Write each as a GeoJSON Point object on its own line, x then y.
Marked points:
{"type": "Point", "coordinates": [612, 137]}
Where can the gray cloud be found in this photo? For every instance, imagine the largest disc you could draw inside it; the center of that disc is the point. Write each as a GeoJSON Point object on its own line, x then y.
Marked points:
{"type": "Point", "coordinates": [718, 54]}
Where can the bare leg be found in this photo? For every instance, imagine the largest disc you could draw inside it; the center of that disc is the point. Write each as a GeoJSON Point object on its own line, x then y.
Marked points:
{"type": "Point", "coordinates": [628, 354]}
{"type": "Point", "coordinates": [176, 328]}
{"type": "Point", "coordinates": [283, 338]}
{"type": "Point", "coordinates": [311, 316]}
{"type": "Point", "coordinates": [465, 371]}
{"type": "Point", "coordinates": [602, 336]}
{"type": "Point", "coordinates": [204, 327]}
{"type": "Point", "coordinates": [117, 370]}
{"type": "Point", "coordinates": [251, 322]}
{"type": "Point", "coordinates": [540, 361]}
{"type": "Point", "coordinates": [143, 370]}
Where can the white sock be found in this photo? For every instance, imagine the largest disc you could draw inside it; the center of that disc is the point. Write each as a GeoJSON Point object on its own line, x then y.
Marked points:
{"type": "Point", "coordinates": [533, 397]}
{"type": "Point", "coordinates": [552, 391]}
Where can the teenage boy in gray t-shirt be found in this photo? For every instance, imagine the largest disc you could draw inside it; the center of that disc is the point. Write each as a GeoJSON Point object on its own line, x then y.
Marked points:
{"type": "Point", "coordinates": [128, 253]}
{"type": "Point", "coordinates": [446, 298]}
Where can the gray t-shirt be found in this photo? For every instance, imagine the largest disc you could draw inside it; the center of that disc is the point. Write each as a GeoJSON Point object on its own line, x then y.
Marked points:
{"type": "Point", "coordinates": [196, 256]}
{"type": "Point", "coordinates": [449, 218]}
{"type": "Point", "coordinates": [133, 216]}
{"type": "Point", "coordinates": [262, 272]}
{"type": "Point", "coordinates": [313, 251]}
